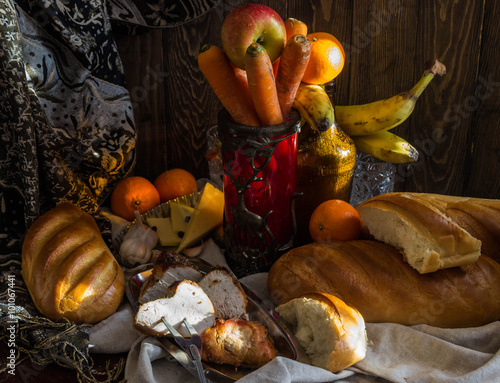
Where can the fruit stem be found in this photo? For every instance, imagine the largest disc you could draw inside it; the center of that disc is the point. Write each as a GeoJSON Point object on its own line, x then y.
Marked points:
{"type": "Point", "coordinates": [435, 67]}
{"type": "Point", "coordinates": [432, 68]}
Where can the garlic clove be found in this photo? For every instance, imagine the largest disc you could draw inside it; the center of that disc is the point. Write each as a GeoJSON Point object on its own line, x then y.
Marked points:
{"type": "Point", "coordinates": [193, 251]}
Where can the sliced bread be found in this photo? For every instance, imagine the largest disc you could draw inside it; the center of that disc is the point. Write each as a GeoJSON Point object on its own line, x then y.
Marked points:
{"type": "Point", "coordinates": [225, 292]}
{"type": "Point", "coordinates": [168, 269]}
{"type": "Point", "coordinates": [184, 299]}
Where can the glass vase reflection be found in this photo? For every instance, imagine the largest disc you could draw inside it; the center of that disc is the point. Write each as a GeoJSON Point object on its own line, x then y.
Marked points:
{"type": "Point", "coordinates": [260, 180]}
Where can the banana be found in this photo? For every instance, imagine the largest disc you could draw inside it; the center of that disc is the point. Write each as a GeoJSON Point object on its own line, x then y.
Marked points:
{"type": "Point", "coordinates": [358, 120]}
{"type": "Point", "coordinates": [386, 146]}
{"type": "Point", "coordinates": [314, 106]}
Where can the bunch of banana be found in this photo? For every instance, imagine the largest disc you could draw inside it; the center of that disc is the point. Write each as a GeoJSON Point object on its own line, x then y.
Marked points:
{"type": "Point", "coordinates": [368, 124]}
{"type": "Point", "coordinates": [358, 120]}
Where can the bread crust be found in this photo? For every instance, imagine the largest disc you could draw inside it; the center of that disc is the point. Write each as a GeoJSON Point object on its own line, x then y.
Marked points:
{"type": "Point", "coordinates": [448, 244]}
{"type": "Point", "coordinates": [372, 277]}
{"type": "Point", "coordinates": [68, 268]}
{"type": "Point", "coordinates": [478, 216]}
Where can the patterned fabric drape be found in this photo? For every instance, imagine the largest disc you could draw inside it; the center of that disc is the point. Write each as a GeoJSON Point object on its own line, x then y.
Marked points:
{"type": "Point", "coordinates": [67, 127]}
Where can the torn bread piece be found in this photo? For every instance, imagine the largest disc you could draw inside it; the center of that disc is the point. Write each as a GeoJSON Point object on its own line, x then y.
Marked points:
{"type": "Point", "coordinates": [428, 239]}
{"type": "Point", "coordinates": [238, 342]}
{"type": "Point", "coordinates": [332, 333]}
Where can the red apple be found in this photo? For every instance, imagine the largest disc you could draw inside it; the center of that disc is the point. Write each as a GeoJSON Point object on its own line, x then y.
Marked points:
{"type": "Point", "coordinates": [249, 24]}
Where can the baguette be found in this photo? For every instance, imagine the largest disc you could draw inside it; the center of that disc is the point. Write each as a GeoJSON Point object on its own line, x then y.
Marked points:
{"type": "Point", "coordinates": [428, 239]}
{"type": "Point", "coordinates": [68, 269]}
{"type": "Point", "coordinates": [372, 277]}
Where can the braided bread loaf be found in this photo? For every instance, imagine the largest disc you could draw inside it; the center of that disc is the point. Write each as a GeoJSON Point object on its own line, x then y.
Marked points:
{"type": "Point", "coordinates": [68, 269]}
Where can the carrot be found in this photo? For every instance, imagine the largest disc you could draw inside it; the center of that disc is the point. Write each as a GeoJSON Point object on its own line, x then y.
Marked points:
{"type": "Point", "coordinates": [294, 27]}
{"type": "Point", "coordinates": [219, 73]}
{"type": "Point", "coordinates": [241, 74]}
{"type": "Point", "coordinates": [262, 85]}
{"type": "Point", "coordinates": [276, 65]}
{"type": "Point", "coordinates": [293, 63]}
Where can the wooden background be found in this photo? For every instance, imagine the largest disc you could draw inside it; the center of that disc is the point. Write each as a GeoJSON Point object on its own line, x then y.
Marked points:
{"type": "Point", "coordinates": [455, 124]}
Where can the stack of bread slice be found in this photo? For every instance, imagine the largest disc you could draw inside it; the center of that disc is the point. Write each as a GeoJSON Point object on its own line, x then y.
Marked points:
{"type": "Point", "coordinates": [176, 289]}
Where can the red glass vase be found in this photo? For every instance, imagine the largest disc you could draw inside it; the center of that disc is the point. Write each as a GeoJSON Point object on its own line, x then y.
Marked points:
{"type": "Point", "coordinates": [260, 181]}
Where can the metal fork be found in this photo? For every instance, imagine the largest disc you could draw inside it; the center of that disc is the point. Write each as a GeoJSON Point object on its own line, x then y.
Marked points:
{"type": "Point", "coordinates": [192, 346]}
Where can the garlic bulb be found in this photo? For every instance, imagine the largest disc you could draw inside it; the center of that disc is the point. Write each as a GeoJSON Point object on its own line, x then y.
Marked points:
{"type": "Point", "coordinates": [138, 243]}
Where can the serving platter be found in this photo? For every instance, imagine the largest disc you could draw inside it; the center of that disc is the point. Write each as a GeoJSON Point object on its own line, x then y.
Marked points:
{"type": "Point", "coordinates": [214, 372]}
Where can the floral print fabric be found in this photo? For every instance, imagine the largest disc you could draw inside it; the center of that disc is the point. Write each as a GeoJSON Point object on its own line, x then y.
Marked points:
{"type": "Point", "coordinates": [67, 127]}
{"type": "Point", "coordinates": [67, 133]}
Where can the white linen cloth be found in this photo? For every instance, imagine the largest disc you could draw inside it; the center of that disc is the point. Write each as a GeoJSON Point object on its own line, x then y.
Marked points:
{"type": "Point", "coordinates": [396, 353]}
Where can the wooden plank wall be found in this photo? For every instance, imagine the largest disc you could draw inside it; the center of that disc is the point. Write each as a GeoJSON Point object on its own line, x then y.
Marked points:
{"type": "Point", "coordinates": [455, 124]}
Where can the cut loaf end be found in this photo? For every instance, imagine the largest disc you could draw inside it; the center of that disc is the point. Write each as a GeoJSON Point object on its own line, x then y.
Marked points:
{"type": "Point", "coordinates": [332, 333]}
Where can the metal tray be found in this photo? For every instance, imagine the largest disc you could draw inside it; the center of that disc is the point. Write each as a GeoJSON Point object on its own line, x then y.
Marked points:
{"type": "Point", "coordinates": [215, 372]}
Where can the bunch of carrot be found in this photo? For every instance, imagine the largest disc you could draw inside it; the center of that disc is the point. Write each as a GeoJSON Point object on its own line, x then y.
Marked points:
{"type": "Point", "coordinates": [263, 93]}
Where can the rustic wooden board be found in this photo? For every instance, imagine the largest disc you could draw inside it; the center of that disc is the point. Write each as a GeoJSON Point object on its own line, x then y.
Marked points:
{"type": "Point", "coordinates": [450, 31]}
{"type": "Point", "coordinates": [387, 44]}
{"type": "Point", "coordinates": [484, 104]}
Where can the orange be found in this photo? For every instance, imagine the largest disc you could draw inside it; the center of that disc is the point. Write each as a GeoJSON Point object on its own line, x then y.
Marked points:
{"type": "Point", "coordinates": [335, 220]}
{"type": "Point", "coordinates": [326, 60]}
{"type": "Point", "coordinates": [133, 193]}
{"type": "Point", "coordinates": [175, 183]}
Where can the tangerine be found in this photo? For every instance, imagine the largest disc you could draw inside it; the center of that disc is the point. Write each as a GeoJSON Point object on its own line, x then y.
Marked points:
{"type": "Point", "coordinates": [175, 183]}
{"type": "Point", "coordinates": [326, 59]}
{"type": "Point", "coordinates": [335, 220]}
{"type": "Point", "coordinates": [133, 193]}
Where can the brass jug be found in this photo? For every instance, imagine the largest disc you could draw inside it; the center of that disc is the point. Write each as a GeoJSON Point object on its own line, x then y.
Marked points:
{"type": "Point", "coordinates": [325, 167]}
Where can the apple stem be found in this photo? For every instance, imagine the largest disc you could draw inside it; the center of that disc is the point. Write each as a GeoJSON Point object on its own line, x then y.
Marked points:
{"type": "Point", "coordinates": [260, 40]}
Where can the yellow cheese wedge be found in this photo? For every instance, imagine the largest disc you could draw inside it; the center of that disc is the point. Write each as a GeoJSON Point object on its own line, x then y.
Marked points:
{"type": "Point", "coordinates": [180, 215]}
{"type": "Point", "coordinates": [207, 215]}
{"type": "Point", "coordinates": [166, 235]}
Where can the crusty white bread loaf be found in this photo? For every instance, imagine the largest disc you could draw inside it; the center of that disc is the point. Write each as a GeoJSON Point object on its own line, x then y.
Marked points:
{"type": "Point", "coordinates": [372, 277]}
{"type": "Point", "coordinates": [225, 292]}
{"type": "Point", "coordinates": [428, 239]}
{"type": "Point", "coordinates": [332, 334]}
{"type": "Point", "coordinates": [168, 269]}
{"type": "Point", "coordinates": [68, 268]}
{"type": "Point", "coordinates": [478, 216]}
{"type": "Point", "coordinates": [184, 299]}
